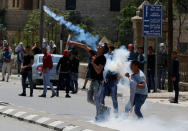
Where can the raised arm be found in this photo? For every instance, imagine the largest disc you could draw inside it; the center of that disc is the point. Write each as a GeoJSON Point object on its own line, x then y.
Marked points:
{"type": "Point", "coordinates": [87, 48]}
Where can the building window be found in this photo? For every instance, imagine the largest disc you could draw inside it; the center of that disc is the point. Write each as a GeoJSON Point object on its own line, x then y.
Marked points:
{"type": "Point", "coordinates": [115, 5]}
{"type": "Point", "coordinates": [13, 3]}
{"type": "Point", "coordinates": [18, 3]}
{"type": "Point", "coordinates": [70, 4]}
{"type": "Point", "coordinates": [38, 4]}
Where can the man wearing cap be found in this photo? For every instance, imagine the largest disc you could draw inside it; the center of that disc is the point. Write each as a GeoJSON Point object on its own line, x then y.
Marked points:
{"type": "Point", "coordinates": [64, 73]}
{"type": "Point", "coordinates": [6, 57]}
{"type": "Point", "coordinates": [162, 65]}
{"type": "Point", "coordinates": [97, 68]}
{"type": "Point", "coordinates": [132, 55]}
{"type": "Point", "coordinates": [47, 66]}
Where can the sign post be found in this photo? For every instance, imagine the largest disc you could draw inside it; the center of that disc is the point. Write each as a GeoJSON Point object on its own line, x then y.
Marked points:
{"type": "Point", "coordinates": [152, 27]}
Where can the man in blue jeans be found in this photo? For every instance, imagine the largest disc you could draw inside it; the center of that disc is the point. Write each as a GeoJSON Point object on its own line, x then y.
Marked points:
{"type": "Point", "coordinates": [110, 85]}
{"type": "Point", "coordinates": [74, 71]}
{"type": "Point", "coordinates": [97, 68]}
{"type": "Point", "coordinates": [26, 70]}
{"type": "Point", "coordinates": [162, 65]}
{"type": "Point", "coordinates": [138, 81]}
{"type": "Point", "coordinates": [47, 66]}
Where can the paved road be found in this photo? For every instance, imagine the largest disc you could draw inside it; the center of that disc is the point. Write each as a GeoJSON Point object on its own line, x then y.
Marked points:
{"type": "Point", "coordinates": [78, 108]}
{"type": "Point", "coordinates": [10, 124]}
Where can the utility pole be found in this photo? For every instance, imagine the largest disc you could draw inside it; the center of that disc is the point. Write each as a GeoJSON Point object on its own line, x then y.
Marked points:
{"type": "Point", "coordinates": [170, 43]}
{"type": "Point", "coordinates": [41, 22]}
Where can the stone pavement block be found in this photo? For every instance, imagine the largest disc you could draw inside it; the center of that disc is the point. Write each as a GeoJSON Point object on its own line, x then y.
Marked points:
{"type": "Point", "coordinates": [62, 126]}
{"type": "Point", "coordinates": [70, 128]}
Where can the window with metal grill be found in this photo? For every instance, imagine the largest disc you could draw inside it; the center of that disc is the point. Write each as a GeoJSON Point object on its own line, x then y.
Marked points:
{"type": "Point", "coordinates": [70, 4]}
{"type": "Point", "coordinates": [115, 5]}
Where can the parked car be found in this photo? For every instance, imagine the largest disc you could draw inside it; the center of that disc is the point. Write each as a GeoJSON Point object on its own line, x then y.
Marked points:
{"type": "Point", "coordinates": [37, 68]}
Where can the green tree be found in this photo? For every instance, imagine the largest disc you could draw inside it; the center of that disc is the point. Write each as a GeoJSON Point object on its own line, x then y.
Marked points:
{"type": "Point", "coordinates": [125, 34]}
{"type": "Point", "coordinates": [52, 27]}
{"type": "Point", "coordinates": [182, 10]}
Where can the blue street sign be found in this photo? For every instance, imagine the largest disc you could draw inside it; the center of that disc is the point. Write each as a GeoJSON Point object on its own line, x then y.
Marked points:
{"type": "Point", "coordinates": [152, 21]}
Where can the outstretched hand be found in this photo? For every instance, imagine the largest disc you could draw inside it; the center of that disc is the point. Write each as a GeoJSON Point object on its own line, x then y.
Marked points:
{"type": "Point", "coordinates": [127, 75]}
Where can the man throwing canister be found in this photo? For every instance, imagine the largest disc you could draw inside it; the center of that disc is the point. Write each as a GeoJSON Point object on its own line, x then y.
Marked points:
{"type": "Point", "coordinates": [97, 68]}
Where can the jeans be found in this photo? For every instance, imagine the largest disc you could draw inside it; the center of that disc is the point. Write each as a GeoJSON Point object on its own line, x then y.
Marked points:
{"type": "Point", "coordinates": [176, 89]}
{"type": "Point", "coordinates": [150, 79]}
{"type": "Point", "coordinates": [25, 75]}
{"type": "Point", "coordinates": [6, 68]}
{"type": "Point", "coordinates": [139, 100]}
{"type": "Point", "coordinates": [93, 96]}
{"type": "Point", "coordinates": [74, 81]}
{"type": "Point", "coordinates": [161, 77]}
{"type": "Point", "coordinates": [46, 82]}
{"type": "Point", "coordinates": [64, 82]}
{"type": "Point", "coordinates": [19, 66]}
{"type": "Point", "coordinates": [112, 86]}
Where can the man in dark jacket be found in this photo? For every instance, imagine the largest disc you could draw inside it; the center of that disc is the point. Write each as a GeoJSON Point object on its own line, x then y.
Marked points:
{"type": "Point", "coordinates": [64, 73]}
{"type": "Point", "coordinates": [151, 69]}
{"type": "Point", "coordinates": [175, 76]}
{"type": "Point", "coordinates": [74, 71]}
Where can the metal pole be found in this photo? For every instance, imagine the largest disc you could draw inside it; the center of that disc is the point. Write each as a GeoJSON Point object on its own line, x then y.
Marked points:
{"type": "Point", "coordinates": [156, 63]}
{"type": "Point", "coordinates": [146, 54]}
{"type": "Point", "coordinates": [170, 43]}
{"type": "Point", "coordinates": [41, 23]}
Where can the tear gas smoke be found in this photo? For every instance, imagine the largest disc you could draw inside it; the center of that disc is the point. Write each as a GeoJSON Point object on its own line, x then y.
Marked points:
{"type": "Point", "coordinates": [148, 124]}
{"type": "Point", "coordinates": [118, 63]}
{"type": "Point", "coordinates": [81, 35]}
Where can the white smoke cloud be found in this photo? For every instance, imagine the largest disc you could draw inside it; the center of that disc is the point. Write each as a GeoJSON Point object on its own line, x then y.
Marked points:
{"type": "Point", "coordinates": [148, 124]}
{"type": "Point", "coordinates": [119, 62]}
{"type": "Point", "coordinates": [81, 35]}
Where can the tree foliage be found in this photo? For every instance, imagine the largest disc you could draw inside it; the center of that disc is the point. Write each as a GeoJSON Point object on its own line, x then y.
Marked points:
{"type": "Point", "coordinates": [125, 24]}
{"type": "Point", "coordinates": [181, 6]}
{"type": "Point", "coordinates": [52, 27]}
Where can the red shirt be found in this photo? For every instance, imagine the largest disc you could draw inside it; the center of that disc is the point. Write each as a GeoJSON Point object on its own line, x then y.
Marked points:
{"type": "Point", "coordinates": [47, 61]}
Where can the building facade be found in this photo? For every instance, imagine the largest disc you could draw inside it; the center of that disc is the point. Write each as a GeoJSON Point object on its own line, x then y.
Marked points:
{"type": "Point", "coordinates": [104, 13]}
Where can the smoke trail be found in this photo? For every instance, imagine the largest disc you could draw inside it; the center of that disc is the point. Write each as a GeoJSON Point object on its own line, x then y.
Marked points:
{"type": "Point", "coordinates": [82, 36]}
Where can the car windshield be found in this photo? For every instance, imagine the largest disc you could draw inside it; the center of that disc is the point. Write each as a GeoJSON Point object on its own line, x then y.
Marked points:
{"type": "Point", "coordinates": [55, 59]}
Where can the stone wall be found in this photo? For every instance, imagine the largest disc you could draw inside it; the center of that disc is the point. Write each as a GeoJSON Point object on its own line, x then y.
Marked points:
{"type": "Point", "coordinates": [16, 19]}
{"type": "Point", "coordinates": [98, 10]}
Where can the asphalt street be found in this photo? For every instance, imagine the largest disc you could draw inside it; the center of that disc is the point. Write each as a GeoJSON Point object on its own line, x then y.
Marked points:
{"type": "Point", "coordinates": [77, 107]}
{"type": "Point", "coordinates": [10, 124]}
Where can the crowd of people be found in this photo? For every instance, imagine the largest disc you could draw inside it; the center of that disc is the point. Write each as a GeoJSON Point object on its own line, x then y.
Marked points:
{"type": "Point", "coordinates": [68, 69]}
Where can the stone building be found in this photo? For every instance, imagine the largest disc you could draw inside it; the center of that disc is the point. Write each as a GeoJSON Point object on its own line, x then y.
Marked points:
{"type": "Point", "coordinates": [103, 12]}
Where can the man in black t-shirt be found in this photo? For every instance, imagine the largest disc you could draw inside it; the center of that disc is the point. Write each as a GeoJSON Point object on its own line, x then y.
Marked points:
{"type": "Point", "coordinates": [26, 71]}
{"type": "Point", "coordinates": [151, 69]}
{"type": "Point", "coordinates": [74, 71]}
{"type": "Point", "coordinates": [36, 49]}
{"type": "Point", "coordinates": [97, 68]}
{"type": "Point", "coordinates": [64, 73]}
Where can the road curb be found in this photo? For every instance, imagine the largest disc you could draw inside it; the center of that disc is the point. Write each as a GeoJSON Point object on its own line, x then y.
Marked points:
{"type": "Point", "coordinates": [40, 120]}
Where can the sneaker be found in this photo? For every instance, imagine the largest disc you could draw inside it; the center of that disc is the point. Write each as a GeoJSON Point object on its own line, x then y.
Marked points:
{"type": "Point", "coordinates": [22, 94]}
{"type": "Point", "coordinates": [42, 95]}
{"type": "Point", "coordinates": [67, 96]}
{"type": "Point", "coordinates": [175, 102]}
{"type": "Point", "coordinates": [57, 94]}
{"type": "Point", "coordinates": [31, 95]}
{"type": "Point", "coordinates": [83, 88]}
{"type": "Point", "coordinates": [53, 95]}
